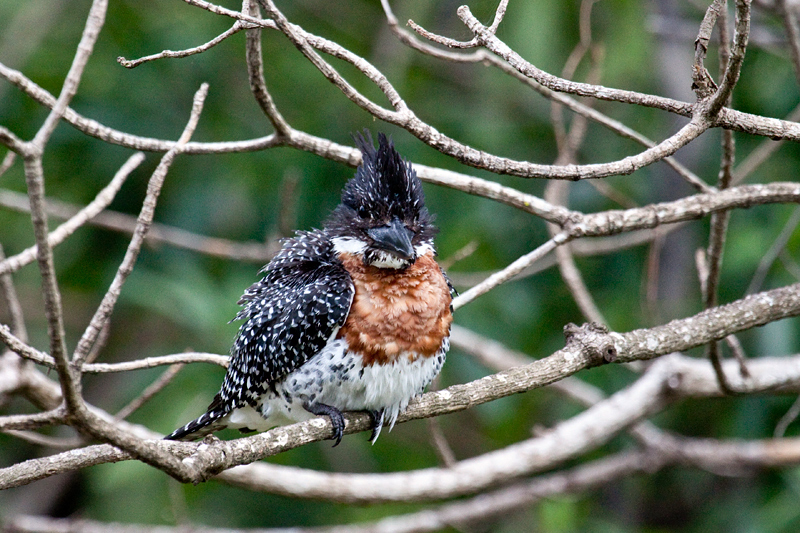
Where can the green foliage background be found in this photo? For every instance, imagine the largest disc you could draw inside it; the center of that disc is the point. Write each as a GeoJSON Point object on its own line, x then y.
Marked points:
{"type": "Point", "coordinates": [177, 300]}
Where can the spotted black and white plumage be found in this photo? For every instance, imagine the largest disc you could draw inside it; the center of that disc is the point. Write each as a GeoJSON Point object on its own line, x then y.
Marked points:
{"type": "Point", "coordinates": [313, 340]}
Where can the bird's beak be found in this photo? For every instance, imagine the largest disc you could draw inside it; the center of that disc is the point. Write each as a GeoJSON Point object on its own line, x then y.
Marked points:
{"type": "Point", "coordinates": [395, 239]}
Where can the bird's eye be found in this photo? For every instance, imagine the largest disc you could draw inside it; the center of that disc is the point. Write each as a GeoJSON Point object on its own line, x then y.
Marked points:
{"type": "Point", "coordinates": [362, 211]}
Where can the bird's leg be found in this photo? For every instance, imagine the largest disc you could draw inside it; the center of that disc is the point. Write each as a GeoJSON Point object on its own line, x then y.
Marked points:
{"type": "Point", "coordinates": [377, 424]}
{"type": "Point", "coordinates": [337, 420]}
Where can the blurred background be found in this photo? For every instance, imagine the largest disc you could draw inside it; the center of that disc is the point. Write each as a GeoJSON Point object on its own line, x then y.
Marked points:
{"type": "Point", "coordinates": [179, 300]}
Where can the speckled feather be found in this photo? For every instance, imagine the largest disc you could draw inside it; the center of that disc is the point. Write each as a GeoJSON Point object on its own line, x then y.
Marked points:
{"type": "Point", "coordinates": [287, 363]}
{"type": "Point", "coordinates": [290, 315]}
{"type": "Point", "coordinates": [383, 187]}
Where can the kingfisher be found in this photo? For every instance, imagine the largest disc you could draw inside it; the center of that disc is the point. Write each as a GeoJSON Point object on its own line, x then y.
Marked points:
{"type": "Point", "coordinates": [353, 317]}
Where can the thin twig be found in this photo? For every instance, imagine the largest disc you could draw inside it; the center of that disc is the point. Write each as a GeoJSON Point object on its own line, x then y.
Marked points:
{"type": "Point", "coordinates": [719, 220]}
{"type": "Point", "coordinates": [440, 39]}
{"type": "Point", "coordinates": [440, 445]}
{"type": "Point", "coordinates": [738, 353]}
{"type": "Point", "coordinates": [403, 116]}
{"type": "Point", "coordinates": [159, 233]}
{"type": "Point", "coordinates": [662, 385]}
{"type": "Point", "coordinates": [8, 161]}
{"type": "Point", "coordinates": [703, 84]}
{"type": "Point", "coordinates": [736, 57]}
{"type": "Point", "coordinates": [45, 440]}
{"type": "Point", "coordinates": [32, 354]}
{"type": "Point", "coordinates": [106, 307]}
{"type": "Point", "coordinates": [790, 264]}
{"type": "Point", "coordinates": [788, 12]}
{"type": "Point", "coordinates": [172, 54]}
{"type": "Point", "coordinates": [459, 255]}
{"type": "Point", "coordinates": [557, 192]}
{"type": "Point", "coordinates": [255, 70]}
{"type": "Point", "coordinates": [23, 349]}
{"type": "Point", "coordinates": [91, 31]}
{"type": "Point", "coordinates": [511, 270]}
{"type": "Point", "coordinates": [482, 56]}
{"type": "Point", "coordinates": [70, 382]}
{"type": "Point", "coordinates": [34, 178]}
{"type": "Point", "coordinates": [788, 417]}
{"type": "Point", "coordinates": [443, 450]}
{"type": "Point", "coordinates": [761, 153]}
{"type": "Point", "coordinates": [9, 295]}
{"type": "Point", "coordinates": [580, 248]}
{"type": "Point", "coordinates": [768, 259]}
{"type": "Point", "coordinates": [154, 388]}
{"type": "Point", "coordinates": [653, 275]}
{"type": "Point", "coordinates": [34, 421]}
{"type": "Point", "coordinates": [99, 344]}
{"type": "Point", "coordinates": [78, 219]}
{"type": "Point", "coordinates": [86, 420]}
{"type": "Point", "coordinates": [452, 43]}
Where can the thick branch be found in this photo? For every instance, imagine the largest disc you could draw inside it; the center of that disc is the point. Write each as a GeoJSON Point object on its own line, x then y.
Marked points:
{"type": "Point", "coordinates": [586, 348]}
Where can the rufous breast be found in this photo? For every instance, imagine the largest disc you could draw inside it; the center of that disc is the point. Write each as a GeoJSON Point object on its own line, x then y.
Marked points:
{"type": "Point", "coordinates": [397, 312]}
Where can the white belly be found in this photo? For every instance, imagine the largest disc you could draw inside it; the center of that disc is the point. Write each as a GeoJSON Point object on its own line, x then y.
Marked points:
{"type": "Point", "coordinates": [337, 378]}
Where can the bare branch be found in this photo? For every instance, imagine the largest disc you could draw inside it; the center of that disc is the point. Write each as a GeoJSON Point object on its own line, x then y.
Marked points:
{"type": "Point", "coordinates": [440, 39]}
{"type": "Point", "coordinates": [8, 161]}
{"type": "Point", "coordinates": [45, 440]}
{"type": "Point", "coordinates": [152, 362]}
{"type": "Point", "coordinates": [655, 386]}
{"type": "Point", "coordinates": [726, 118]}
{"type": "Point", "coordinates": [149, 392]}
{"type": "Point", "coordinates": [404, 117]}
{"type": "Point", "coordinates": [60, 234]}
{"type": "Point", "coordinates": [703, 84]}
{"type": "Point", "coordinates": [482, 56]}
{"type": "Point", "coordinates": [171, 54]}
{"type": "Point", "coordinates": [556, 192]}
{"type": "Point", "coordinates": [734, 65]}
{"type": "Point", "coordinates": [113, 136]}
{"type": "Point", "coordinates": [761, 153]}
{"type": "Point", "coordinates": [654, 215]}
{"type": "Point", "coordinates": [452, 43]}
{"type": "Point", "coordinates": [9, 295]}
{"type": "Point", "coordinates": [255, 70]}
{"type": "Point", "coordinates": [70, 383]}
{"type": "Point", "coordinates": [720, 219]}
{"type": "Point", "coordinates": [586, 347]}
{"type": "Point", "coordinates": [85, 419]}
{"type": "Point", "coordinates": [774, 251]}
{"type": "Point", "coordinates": [94, 22]}
{"type": "Point", "coordinates": [34, 421]}
{"type": "Point", "coordinates": [537, 454]}
{"type": "Point", "coordinates": [691, 207]}
{"type": "Point", "coordinates": [459, 514]}
{"type": "Point", "coordinates": [159, 233]}
{"type": "Point", "coordinates": [143, 225]}
{"type": "Point", "coordinates": [510, 271]}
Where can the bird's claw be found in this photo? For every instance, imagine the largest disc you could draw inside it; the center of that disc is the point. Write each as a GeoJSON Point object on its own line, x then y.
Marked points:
{"type": "Point", "coordinates": [377, 424]}
{"type": "Point", "coordinates": [337, 419]}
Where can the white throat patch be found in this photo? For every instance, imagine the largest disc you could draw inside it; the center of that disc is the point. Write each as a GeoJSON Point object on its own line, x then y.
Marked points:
{"type": "Point", "coordinates": [357, 247]}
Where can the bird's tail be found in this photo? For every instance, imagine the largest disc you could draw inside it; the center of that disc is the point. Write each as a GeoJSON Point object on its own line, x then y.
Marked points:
{"type": "Point", "coordinates": [200, 427]}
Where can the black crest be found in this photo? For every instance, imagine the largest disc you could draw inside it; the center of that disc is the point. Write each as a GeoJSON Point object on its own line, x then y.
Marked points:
{"type": "Point", "coordinates": [385, 186]}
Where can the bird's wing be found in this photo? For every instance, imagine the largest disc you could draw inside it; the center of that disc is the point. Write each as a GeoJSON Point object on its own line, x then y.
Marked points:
{"type": "Point", "coordinates": [290, 315]}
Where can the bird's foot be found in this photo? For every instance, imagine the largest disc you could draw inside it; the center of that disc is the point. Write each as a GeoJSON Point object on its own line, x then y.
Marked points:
{"type": "Point", "coordinates": [377, 424]}
{"type": "Point", "coordinates": [337, 420]}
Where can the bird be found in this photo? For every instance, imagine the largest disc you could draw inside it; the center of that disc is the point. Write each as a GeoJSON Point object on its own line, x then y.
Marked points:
{"type": "Point", "coordinates": [352, 317]}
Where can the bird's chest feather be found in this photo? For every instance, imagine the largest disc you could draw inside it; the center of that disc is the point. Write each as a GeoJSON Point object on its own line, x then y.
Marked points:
{"type": "Point", "coordinates": [396, 314]}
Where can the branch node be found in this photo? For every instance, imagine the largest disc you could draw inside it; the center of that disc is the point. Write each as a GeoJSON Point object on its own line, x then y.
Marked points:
{"type": "Point", "coordinates": [592, 339]}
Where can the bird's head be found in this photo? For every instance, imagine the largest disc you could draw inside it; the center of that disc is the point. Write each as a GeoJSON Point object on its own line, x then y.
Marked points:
{"type": "Point", "coordinates": [382, 218]}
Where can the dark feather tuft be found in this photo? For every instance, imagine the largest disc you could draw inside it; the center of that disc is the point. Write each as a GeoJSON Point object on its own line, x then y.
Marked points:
{"type": "Point", "coordinates": [385, 186]}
